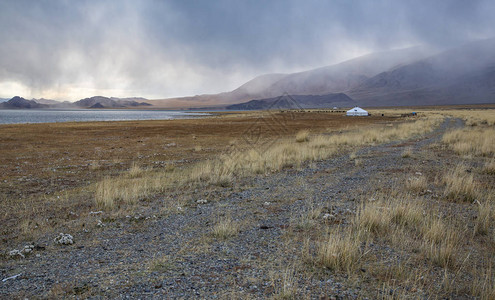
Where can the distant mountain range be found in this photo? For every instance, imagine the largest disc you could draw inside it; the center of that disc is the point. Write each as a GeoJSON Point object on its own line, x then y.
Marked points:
{"type": "Point", "coordinates": [296, 102]}
{"type": "Point", "coordinates": [19, 102]}
{"type": "Point", "coordinates": [412, 76]}
{"type": "Point", "coordinates": [104, 102]}
{"type": "Point", "coordinates": [93, 102]}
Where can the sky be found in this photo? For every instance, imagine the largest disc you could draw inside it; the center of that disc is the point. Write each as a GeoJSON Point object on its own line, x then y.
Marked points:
{"type": "Point", "coordinates": [69, 50]}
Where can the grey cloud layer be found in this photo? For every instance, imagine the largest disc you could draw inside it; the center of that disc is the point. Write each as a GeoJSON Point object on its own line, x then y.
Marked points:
{"type": "Point", "coordinates": [170, 48]}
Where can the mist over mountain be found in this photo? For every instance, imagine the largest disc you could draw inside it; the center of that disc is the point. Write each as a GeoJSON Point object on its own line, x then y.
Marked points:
{"type": "Point", "coordinates": [412, 76]}
{"type": "Point", "coordinates": [457, 76]}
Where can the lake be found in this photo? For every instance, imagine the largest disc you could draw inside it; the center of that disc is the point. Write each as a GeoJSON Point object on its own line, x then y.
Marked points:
{"type": "Point", "coordinates": [12, 116]}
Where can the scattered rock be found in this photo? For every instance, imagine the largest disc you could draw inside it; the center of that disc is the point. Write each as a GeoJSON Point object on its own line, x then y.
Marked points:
{"type": "Point", "coordinates": [28, 249]}
{"type": "Point", "coordinates": [21, 253]}
{"type": "Point", "coordinates": [100, 224]}
{"type": "Point", "coordinates": [265, 227]}
{"type": "Point", "coordinates": [64, 239]}
{"type": "Point", "coordinates": [328, 217]}
{"type": "Point", "coordinates": [11, 277]}
{"type": "Point", "coordinates": [16, 253]}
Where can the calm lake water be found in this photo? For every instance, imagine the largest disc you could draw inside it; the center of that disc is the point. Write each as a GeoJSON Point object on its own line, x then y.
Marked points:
{"type": "Point", "coordinates": [11, 116]}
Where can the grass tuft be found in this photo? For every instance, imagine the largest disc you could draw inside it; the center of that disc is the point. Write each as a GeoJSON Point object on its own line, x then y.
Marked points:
{"type": "Point", "coordinates": [441, 254]}
{"type": "Point", "coordinates": [135, 170]}
{"type": "Point", "coordinates": [489, 167]}
{"type": "Point", "coordinates": [340, 251]}
{"type": "Point", "coordinates": [225, 228]}
{"type": "Point", "coordinates": [302, 136]}
{"type": "Point", "coordinates": [407, 152]}
{"type": "Point", "coordinates": [485, 218]}
{"type": "Point", "coordinates": [460, 184]}
{"type": "Point", "coordinates": [417, 184]}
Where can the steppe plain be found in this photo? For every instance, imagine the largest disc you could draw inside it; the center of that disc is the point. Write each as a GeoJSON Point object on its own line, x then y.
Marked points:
{"type": "Point", "coordinates": [270, 204]}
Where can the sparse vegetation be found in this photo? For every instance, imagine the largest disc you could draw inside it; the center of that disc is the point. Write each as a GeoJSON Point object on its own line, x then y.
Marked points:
{"type": "Point", "coordinates": [340, 251]}
{"type": "Point", "coordinates": [284, 154]}
{"type": "Point", "coordinates": [485, 218]}
{"type": "Point", "coordinates": [225, 228]}
{"type": "Point", "coordinates": [309, 218]}
{"type": "Point", "coordinates": [302, 136]}
{"type": "Point", "coordinates": [287, 287]}
{"type": "Point", "coordinates": [417, 184]}
{"type": "Point", "coordinates": [135, 170]}
{"type": "Point", "coordinates": [460, 184]}
{"type": "Point", "coordinates": [489, 167]}
{"type": "Point", "coordinates": [408, 152]}
{"type": "Point", "coordinates": [484, 284]}
{"type": "Point", "coordinates": [400, 235]}
{"type": "Point", "coordinates": [160, 263]}
{"type": "Point", "coordinates": [440, 254]}
{"type": "Point", "coordinates": [358, 162]}
{"type": "Point", "coordinates": [471, 141]}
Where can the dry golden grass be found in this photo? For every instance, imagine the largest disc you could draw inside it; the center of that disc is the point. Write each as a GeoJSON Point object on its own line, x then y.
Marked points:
{"type": "Point", "coordinates": [484, 284]}
{"type": "Point", "coordinates": [460, 184]}
{"type": "Point", "coordinates": [440, 241]}
{"type": "Point", "coordinates": [287, 288]}
{"type": "Point", "coordinates": [302, 136]}
{"type": "Point", "coordinates": [340, 250]}
{"type": "Point", "coordinates": [417, 184]}
{"type": "Point", "coordinates": [309, 218]}
{"type": "Point", "coordinates": [384, 215]}
{"type": "Point", "coordinates": [475, 117]}
{"type": "Point", "coordinates": [373, 218]}
{"type": "Point", "coordinates": [489, 167]}
{"type": "Point", "coordinates": [135, 170]}
{"type": "Point", "coordinates": [441, 254]}
{"type": "Point", "coordinates": [211, 171]}
{"type": "Point", "coordinates": [407, 152]}
{"type": "Point", "coordinates": [113, 191]}
{"type": "Point", "coordinates": [403, 220]}
{"type": "Point", "coordinates": [225, 229]}
{"type": "Point", "coordinates": [471, 141]}
{"type": "Point", "coordinates": [434, 229]}
{"type": "Point", "coordinates": [485, 219]}
{"type": "Point", "coordinates": [384, 134]}
{"type": "Point", "coordinates": [222, 170]}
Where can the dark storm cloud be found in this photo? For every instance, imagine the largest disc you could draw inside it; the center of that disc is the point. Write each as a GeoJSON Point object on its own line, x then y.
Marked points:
{"type": "Point", "coordinates": [169, 48]}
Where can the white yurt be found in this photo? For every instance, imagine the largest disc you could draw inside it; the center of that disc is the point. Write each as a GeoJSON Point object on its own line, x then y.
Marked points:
{"type": "Point", "coordinates": [357, 111]}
